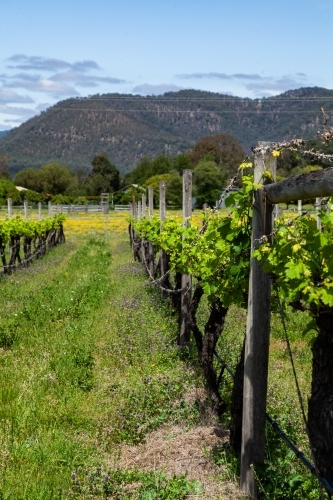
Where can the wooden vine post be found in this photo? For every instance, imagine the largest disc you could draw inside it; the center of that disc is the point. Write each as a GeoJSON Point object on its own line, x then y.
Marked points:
{"type": "Point", "coordinates": [318, 207]}
{"type": "Point", "coordinates": [151, 201]}
{"type": "Point", "coordinates": [40, 215]}
{"type": "Point", "coordinates": [163, 259]}
{"type": "Point", "coordinates": [26, 209]}
{"type": "Point", "coordinates": [151, 256]}
{"type": "Point", "coordinates": [185, 330]}
{"type": "Point", "coordinates": [10, 208]}
{"type": "Point", "coordinates": [257, 333]}
{"type": "Point", "coordinates": [144, 205]}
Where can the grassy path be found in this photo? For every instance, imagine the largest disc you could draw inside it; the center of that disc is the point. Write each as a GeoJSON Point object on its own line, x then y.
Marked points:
{"type": "Point", "coordinates": [88, 360]}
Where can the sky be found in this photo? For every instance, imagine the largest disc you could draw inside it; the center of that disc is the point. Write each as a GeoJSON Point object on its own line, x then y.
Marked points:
{"type": "Point", "coordinates": [56, 49]}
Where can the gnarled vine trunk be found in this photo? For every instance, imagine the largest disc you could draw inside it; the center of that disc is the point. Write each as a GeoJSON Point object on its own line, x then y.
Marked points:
{"type": "Point", "coordinates": [320, 409]}
{"type": "Point", "coordinates": [213, 329]}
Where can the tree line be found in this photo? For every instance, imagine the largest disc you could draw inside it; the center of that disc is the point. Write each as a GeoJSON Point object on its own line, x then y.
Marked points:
{"type": "Point", "coordinates": [214, 159]}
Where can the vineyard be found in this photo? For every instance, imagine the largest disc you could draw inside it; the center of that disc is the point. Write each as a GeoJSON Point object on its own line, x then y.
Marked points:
{"type": "Point", "coordinates": [213, 263]}
{"type": "Point", "coordinates": [21, 240]}
{"type": "Point", "coordinates": [221, 326]}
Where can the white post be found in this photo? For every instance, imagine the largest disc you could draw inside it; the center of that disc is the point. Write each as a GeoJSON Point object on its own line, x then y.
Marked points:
{"type": "Point", "coordinates": [151, 201]}
{"type": "Point", "coordinates": [144, 205]}
{"type": "Point", "coordinates": [10, 208]}
{"type": "Point", "coordinates": [26, 209]}
{"type": "Point", "coordinates": [40, 216]}
{"type": "Point", "coordinates": [299, 207]}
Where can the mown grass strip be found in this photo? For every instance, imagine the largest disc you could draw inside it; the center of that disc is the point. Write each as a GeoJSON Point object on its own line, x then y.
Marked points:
{"type": "Point", "coordinates": [88, 360]}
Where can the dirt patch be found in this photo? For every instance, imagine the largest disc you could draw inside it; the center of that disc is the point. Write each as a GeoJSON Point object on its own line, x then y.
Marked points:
{"type": "Point", "coordinates": [176, 450]}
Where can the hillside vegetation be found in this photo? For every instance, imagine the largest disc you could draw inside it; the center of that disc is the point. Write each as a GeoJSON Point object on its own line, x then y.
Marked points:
{"type": "Point", "coordinates": [128, 127]}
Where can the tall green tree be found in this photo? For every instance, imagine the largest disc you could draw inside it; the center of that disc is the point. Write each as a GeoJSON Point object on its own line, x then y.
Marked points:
{"type": "Point", "coordinates": [29, 178]}
{"type": "Point", "coordinates": [182, 162]}
{"type": "Point", "coordinates": [223, 149]}
{"type": "Point", "coordinates": [8, 190]}
{"type": "Point", "coordinates": [57, 179]}
{"type": "Point", "coordinates": [104, 177]}
{"type": "Point", "coordinates": [147, 168]}
{"type": "Point", "coordinates": [4, 162]}
{"type": "Point", "coordinates": [208, 181]}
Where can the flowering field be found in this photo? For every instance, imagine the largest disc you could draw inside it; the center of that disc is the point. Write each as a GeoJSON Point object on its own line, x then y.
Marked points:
{"type": "Point", "coordinates": [83, 223]}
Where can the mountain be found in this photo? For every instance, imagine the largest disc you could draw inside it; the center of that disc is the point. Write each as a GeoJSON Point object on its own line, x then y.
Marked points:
{"type": "Point", "coordinates": [127, 127]}
{"type": "Point", "coordinates": [3, 132]}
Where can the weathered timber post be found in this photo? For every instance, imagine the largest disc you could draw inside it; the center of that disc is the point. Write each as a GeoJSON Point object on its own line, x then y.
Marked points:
{"type": "Point", "coordinates": [318, 208]}
{"type": "Point", "coordinates": [151, 257]}
{"type": "Point", "coordinates": [257, 335]}
{"type": "Point", "coordinates": [40, 216]}
{"type": "Point", "coordinates": [143, 243]}
{"type": "Point", "coordinates": [151, 201]}
{"type": "Point", "coordinates": [49, 208]}
{"type": "Point", "coordinates": [26, 209]}
{"type": "Point", "coordinates": [299, 207]}
{"type": "Point", "coordinates": [144, 205]}
{"type": "Point", "coordinates": [163, 260]}
{"type": "Point", "coordinates": [139, 211]}
{"type": "Point", "coordinates": [10, 208]}
{"type": "Point", "coordinates": [185, 330]}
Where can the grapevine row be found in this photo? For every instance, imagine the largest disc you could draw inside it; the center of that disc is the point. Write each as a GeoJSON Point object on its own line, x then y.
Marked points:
{"type": "Point", "coordinates": [300, 265]}
{"type": "Point", "coordinates": [31, 237]}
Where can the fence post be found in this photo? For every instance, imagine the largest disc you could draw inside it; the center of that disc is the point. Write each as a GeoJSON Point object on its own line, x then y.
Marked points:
{"type": "Point", "coordinates": [49, 206]}
{"type": "Point", "coordinates": [150, 245]}
{"type": "Point", "coordinates": [299, 207]}
{"type": "Point", "coordinates": [144, 205]}
{"type": "Point", "coordinates": [10, 208]}
{"type": "Point", "coordinates": [257, 336]}
{"type": "Point", "coordinates": [151, 201]}
{"type": "Point", "coordinates": [318, 207]}
{"type": "Point", "coordinates": [26, 209]}
{"type": "Point", "coordinates": [163, 260]}
{"type": "Point", "coordinates": [185, 330]}
{"type": "Point", "coordinates": [40, 216]}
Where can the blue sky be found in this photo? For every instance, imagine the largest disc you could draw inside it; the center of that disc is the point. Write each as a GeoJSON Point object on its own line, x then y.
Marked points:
{"type": "Point", "coordinates": [58, 49]}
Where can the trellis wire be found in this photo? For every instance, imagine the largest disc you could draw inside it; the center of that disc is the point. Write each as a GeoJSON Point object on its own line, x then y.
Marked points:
{"type": "Point", "coordinates": [325, 482]}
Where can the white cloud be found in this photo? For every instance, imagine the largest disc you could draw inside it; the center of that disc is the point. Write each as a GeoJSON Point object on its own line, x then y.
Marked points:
{"type": "Point", "coordinates": [219, 76]}
{"type": "Point", "coordinates": [84, 80]}
{"type": "Point", "coordinates": [265, 88]}
{"type": "Point", "coordinates": [8, 95]}
{"type": "Point", "coordinates": [148, 89]}
{"type": "Point", "coordinates": [21, 61]}
{"type": "Point", "coordinates": [37, 83]}
{"type": "Point", "coordinates": [25, 113]}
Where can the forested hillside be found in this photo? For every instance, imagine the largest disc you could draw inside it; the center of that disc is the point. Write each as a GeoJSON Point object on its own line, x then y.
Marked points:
{"type": "Point", "coordinates": [128, 127]}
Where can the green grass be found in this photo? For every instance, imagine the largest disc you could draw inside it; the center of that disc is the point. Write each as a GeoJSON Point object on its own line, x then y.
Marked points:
{"type": "Point", "coordinates": [88, 360]}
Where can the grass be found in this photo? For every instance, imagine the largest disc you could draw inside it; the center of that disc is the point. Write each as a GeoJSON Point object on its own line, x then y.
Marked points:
{"type": "Point", "coordinates": [88, 362]}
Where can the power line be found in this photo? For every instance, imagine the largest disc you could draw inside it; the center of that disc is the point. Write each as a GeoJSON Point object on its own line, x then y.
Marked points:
{"type": "Point", "coordinates": [222, 98]}
{"type": "Point", "coordinates": [188, 111]}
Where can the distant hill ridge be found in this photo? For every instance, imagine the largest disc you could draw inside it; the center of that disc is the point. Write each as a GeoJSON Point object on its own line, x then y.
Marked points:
{"type": "Point", "coordinates": [127, 127]}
